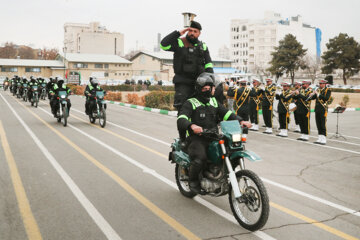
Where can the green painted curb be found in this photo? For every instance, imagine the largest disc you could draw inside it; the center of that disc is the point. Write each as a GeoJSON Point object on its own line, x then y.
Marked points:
{"type": "Point", "coordinates": [164, 111]}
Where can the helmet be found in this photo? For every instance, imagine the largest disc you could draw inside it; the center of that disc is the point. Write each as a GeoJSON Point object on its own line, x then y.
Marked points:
{"type": "Point", "coordinates": [204, 79]}
{"type": "Point", "coordinates": [60, 80]}
{"type": "Point", "coordinates": [94, 81]}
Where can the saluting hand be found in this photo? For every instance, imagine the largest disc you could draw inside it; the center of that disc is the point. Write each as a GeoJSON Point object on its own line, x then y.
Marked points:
{"type": "Point", "coordinates": [182, 32]}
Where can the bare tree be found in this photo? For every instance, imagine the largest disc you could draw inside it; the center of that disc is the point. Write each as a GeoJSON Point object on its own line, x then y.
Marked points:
{"type": "Point", "coordinates": [313, 66]}
{"type": "Point", "coordinates": [8, 51]}
{"type": "Point", "coordinates": [26, 52]}
{"type": "Point", "coordinates": [48, 54]}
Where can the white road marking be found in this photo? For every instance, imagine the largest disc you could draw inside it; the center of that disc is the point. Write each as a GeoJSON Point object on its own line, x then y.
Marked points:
{"type": "Point", "coordinates": [152, 172]}
{"type": "Point", "coordinates": [100, 221]}
{"type": "Point", "coordinates": [323, 201]}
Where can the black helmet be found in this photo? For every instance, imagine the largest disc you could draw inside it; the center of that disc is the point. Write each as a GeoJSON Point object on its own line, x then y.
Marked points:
{"type": "Point", "coordinates": [59, 80]}
{"type": "Point", "coordinates": [204, 79]}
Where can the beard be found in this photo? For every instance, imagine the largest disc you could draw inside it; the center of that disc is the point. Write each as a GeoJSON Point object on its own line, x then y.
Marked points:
{"type": "Point", "coordinates": [191, 39]}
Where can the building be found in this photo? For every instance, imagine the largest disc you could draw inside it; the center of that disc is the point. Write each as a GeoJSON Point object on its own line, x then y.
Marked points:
{"type": "Point", "coordinates": [102, 66]}
{"type": "Point", "coordinates": [159, 65]}
{"type": "Point", "coordinates": [224, 52]}
{"type": "Point", "coordinates": [92, 38]}
{"type": "Point", "coordinates": [30, 67]}
{"type": "Point", "coordinates": [252, 41]}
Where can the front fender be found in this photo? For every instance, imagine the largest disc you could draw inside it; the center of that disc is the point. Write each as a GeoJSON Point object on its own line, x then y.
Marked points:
{"type": "Point", "coordinates": [251, 156]}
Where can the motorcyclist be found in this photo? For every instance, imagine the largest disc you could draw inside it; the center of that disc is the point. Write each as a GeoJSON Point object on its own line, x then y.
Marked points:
{"type": "Point", "coordinates": [41, 81]}
{"type": "Point", "coordinates": [54, 92]}
{"type": "Point", "coordinates": [201, 112]}
{"type": "Point", "coordinates": [24, 84]}
{"type": "Point", "coordinates": [90, 93]}
{"type": "Point", "coordinates": [6, 82]}
{"type": "Point", "coordinates": [50, 85]}
{"type": "Point", "coordinates": [33, 82]}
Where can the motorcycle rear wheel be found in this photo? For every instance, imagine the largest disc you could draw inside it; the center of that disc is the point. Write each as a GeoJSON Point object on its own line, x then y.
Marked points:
{"type": "Point", "coordinates": [182, 181]}
{"type": "Point", "coordinates": [251, 210]}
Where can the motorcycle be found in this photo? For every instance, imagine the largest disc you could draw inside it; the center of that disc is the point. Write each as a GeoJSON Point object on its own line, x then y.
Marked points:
{"type": "Point", "coordinates": [99, 111]}
{"type": "Point", "coordinates": [43, 91]}
{"type": "Point", "coordinates": [35, 96]}
{"type": "Point", "coordinates": [6, 85]}
{"type": "Point", "coordinates": [25, 92]}
{"type": "Point", "coordinates": [62, 112]}
{"type": "Point", "coordinates": [18, 90]}
{"type": "Point", "coordinates": [225, 173]}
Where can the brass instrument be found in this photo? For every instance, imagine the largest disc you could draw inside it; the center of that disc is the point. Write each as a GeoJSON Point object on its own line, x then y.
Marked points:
{"type": "Point", "coordinates": [317, 91]}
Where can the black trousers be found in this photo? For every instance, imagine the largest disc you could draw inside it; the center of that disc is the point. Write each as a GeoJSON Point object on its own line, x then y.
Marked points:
{"type": "Point", "coordinates": [197, 150]}
{"type": "Point", "coordinates": [54, 103]}
{"type": "Point", "coordinates": [182, 93]}
{"type": "Point", "coordinates": [90, 105]}
{"type": "Point", "coordinates": [283, 120]}
{"type": "Point", "coordinates": [267, 115]}
{"type": "Point", "coordinates": [320, 117]}
{"type": "Point", "coordinates": [254, 113]}
{"type": "Point", "coordinates": [296, 117]}
{"type": "Point", "coordinates": [304, 122]}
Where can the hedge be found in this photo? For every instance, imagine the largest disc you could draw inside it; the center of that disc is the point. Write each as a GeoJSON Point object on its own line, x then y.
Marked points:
{"type": "Point", "coordinates": [160, 99]}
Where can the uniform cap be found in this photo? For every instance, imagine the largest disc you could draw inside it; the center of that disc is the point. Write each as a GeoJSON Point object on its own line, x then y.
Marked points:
{"type": "Point", "coordinates": [268, 79]}
{"type": "Point", "coordinates": [306, 82]}
{"type": "Point", "coordinates": [297, 83]}
{"type": "Point", "coordinates": [196, 25]}
{"type": "Point", "coordinates": [323, 81]}
{"type": "Point", "coordinates": [243, 81]}
{"type": "Point", "coordinates": [285, 84]}
{"type": "Point", "coordinates": [255, 79]}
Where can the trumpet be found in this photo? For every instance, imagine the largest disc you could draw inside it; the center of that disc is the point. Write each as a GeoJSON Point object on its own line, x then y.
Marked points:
{"type": "Point", "coordinates": [317, 92]}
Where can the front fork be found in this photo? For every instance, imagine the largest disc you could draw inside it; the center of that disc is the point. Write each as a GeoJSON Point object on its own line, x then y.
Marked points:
{"type": "Point", "coordinates": [232, 175]}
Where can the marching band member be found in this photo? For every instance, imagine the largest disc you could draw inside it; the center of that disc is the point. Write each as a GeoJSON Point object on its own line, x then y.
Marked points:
{"type": "Point", "coordinates": [284, 98]}
{"type": "Point", "coordinates": [303, 103]}
{"type": "Point", "coordinates": [268, 94]}
{"type": "Point", "coordinates": [322, 96]}
{"type": "Point", "coordinates": [242, 95]}
{"type": "Point", "coordinates": [254, 105]}
{"type": "Point", "coordinates": [297, 86]}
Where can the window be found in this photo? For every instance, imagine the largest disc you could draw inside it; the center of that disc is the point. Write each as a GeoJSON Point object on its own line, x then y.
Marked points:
{"type": "Point", "coordinates": [98, 65]}
{"type": "Point", "coordinates": [80, 65]}
{"type": "Point", "coordinates": [9, 69]}
{"type": "Point", "coordinates": [243, 28]}
{"type": "Point", "coordinates": [115, 65]}
{"type": "Point", "coordinates": [29, 69]}
{"type": "Point", "coordinates": [106, 65]}
{"type": "Point", "coordinates": [106, 74]}
{"type": "Point", "coordinates": [115, 74]}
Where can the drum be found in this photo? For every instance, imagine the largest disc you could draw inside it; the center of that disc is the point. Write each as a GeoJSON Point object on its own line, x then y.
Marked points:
{"type": "Point", "coordinates": [292, 107]}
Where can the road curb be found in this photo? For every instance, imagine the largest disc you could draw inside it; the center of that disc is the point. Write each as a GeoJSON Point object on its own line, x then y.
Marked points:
{"type": "Point", "coordinates": [174, 113]}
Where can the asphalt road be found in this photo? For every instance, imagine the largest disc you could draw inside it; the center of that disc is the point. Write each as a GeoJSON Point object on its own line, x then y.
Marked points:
{"type": "Point", "coordinates": [84, 182]}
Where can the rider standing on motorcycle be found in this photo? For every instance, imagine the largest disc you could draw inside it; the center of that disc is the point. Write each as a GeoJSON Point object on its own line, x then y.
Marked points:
{"type": "Point", "coordinates": [198, 113]}
{"type": "Point", "coordinates": [32, 83]}
{"type": "Point", "coordinates": [54, 92]}
{"type": "Point", "coordinates": [90, 93]}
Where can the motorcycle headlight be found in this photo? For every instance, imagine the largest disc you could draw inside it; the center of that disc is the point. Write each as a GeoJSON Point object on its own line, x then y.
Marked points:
{"type": "Point", "coordinates": [236, 137]}
{"type": "Point", "coordinates": [63, 96]}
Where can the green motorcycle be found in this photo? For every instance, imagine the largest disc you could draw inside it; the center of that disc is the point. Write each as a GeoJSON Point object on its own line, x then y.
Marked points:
{"type": "Point", "coordinates": [225, 173]}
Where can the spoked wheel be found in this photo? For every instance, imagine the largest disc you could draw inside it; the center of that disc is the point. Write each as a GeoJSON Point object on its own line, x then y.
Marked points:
{"type": "Point", "coordinates": [91, 118]}
{"type": "Point", "coordinates": [65, 115]}
{"type": "Point", "coordinates": [251, 210]}
{"type": "Point", "coordinates": [182, 181]}
{"type": "Point", "coordinates": [102, 118]}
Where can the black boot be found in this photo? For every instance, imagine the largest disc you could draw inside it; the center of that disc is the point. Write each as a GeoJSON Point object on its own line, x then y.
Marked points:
{"type": "Point", "coordinates": [194, 171]}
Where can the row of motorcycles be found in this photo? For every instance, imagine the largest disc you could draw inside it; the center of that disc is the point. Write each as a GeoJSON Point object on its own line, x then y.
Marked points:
{"type": "Point", "coordinates": [22, 90]}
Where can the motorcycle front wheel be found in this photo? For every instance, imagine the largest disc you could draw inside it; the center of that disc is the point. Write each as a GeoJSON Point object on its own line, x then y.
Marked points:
{"type": "Point", "coordinates": [65, 115]}
{"type": "Point", "coordinates": [182, 181]}
{"type": "Point", "coordinates": [251, 210]}
{"type": "Point", "coordinates": [102, 118]}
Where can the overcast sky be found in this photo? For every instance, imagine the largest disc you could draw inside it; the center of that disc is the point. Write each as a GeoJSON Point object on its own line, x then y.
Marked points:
{"type": "Point", "coordinates": [40, 22]}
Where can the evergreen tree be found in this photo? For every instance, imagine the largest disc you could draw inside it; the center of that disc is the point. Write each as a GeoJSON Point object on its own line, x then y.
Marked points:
{"type": "Point", "coordinates": [287, 57]}
{"type": "Point", "coordinates": [343, 53]}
